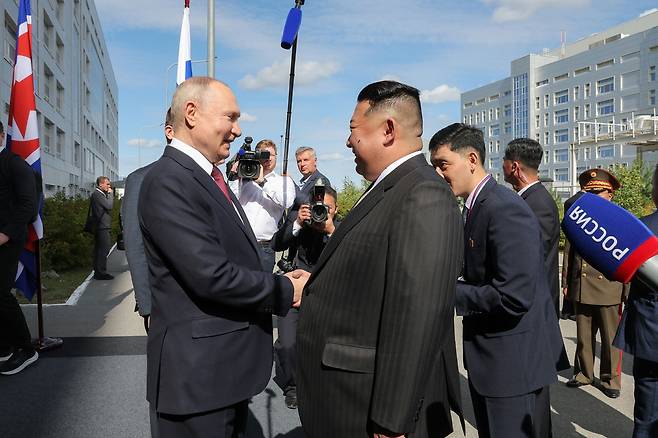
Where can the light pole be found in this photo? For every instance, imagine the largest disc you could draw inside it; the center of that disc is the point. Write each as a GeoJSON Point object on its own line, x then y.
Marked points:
{"type": "Point", "coordinates": [166, 87]}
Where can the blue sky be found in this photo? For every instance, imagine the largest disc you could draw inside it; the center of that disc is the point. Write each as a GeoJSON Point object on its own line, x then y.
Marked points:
{"type": "Point", "coordinates": [440, 47]}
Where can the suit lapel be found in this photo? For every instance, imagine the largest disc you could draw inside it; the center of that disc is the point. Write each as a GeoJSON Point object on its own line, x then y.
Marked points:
{"type": "Point", "coordinates": [209, 185]}
{"type": "Point", "coordinates": [531, 190]}
{"type": "Point", "coordinates": [358, 213]}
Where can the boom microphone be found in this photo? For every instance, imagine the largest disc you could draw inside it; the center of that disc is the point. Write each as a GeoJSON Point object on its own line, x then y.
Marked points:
{"type": "Point", "coordinates": [290, 29]}
{"type": "Point", "coordinates": [612, 240]}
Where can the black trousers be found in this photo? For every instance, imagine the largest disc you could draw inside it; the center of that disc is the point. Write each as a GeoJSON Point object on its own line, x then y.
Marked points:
{"type": "Point", "coordinates": [228, 422]}
{"type": "Point", "coordinates": [645, 413]}
{"type": "Point", "coordinates": [526, 415]}
{"type": "Point", "coordinates": [13, 328]}
{"type": "Point", "coordinates": [101, 248]}
{"type": "Point", "coordinates": [285, 354]}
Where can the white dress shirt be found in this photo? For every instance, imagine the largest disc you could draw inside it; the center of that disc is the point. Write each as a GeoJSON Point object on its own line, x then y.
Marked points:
{"type": "Point", "coordinates": [387, 171]}
{"type": "Point", "coordinates": [265, 205]}
{"type": "Point", "coordinates": [522, 191]}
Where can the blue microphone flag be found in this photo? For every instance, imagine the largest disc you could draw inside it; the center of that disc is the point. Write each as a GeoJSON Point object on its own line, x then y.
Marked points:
{"type": "Point", "coordinates": [290, 29]}
{"type": "Point", "coordinates": [610, 238]}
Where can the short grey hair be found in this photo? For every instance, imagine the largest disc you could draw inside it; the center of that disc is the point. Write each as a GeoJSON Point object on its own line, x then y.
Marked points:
{"type": "Point", "coordinates": [303, 149]}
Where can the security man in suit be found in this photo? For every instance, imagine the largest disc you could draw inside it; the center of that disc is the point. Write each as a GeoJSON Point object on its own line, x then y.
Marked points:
{"type": "Point", "coordinates": [309, 238]}
{"type": "Point", "coordinates": [512, 342]}
{"type": "Point", "coordinates": [307, 164]}
{"type": "Point", "coordinates": [638, 335]}
{"type": "Point", "coordinates": [520, 167]}
{"type": "Point", "coordinates": [102, 202]}
{"type": "Point", "coordinates": [597, 303]}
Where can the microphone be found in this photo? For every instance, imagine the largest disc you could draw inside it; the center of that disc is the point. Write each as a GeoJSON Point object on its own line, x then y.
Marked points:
{"type": "Point", "coordinates": [290, 29]}
{"type": "Point", "coordinates": [612, 240]}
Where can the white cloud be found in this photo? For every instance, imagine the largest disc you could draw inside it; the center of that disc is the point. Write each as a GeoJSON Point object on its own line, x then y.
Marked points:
{"type": "Point", "coordinates": [246, 117]}
{"type": "Point", "coordinates": [146, 142]}
{"type": "Point", "coordinates": [442, 93]}
{"type": "Point", "coordinates": [518, 10]}
{"type": "Point", "coordinates": [277, 74]}
{"type": "Point", "coordinates": [336, 156]}
{"type": "Point", "coordinates": [648, 11]}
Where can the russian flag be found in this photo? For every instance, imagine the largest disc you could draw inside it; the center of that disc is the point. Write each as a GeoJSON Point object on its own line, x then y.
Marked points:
{"type": "Point", "coordinates": [23, 140]}
{"type": "Point", "coordinates": [184, 48]}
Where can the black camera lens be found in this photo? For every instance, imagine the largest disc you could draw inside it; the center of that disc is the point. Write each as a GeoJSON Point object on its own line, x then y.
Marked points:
{"type": "Point", "coordinates": [319, 213]}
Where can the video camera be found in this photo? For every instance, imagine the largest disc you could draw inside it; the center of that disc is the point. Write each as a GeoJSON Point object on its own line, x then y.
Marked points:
{"type": "Point", "coordinates": [319, 210]}
{"type": "Point", "coordinates": [249, 161]}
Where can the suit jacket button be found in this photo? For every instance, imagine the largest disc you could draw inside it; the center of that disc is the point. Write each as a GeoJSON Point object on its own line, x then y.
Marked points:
{"type": "Point", "coordinates": [584, 275]}
{"type": "Point", "coordinates": [584, 265]}
{"type": "Point", "coordinates": [600, 277]}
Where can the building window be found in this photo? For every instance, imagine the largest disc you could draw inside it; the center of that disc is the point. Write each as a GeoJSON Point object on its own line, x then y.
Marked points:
{"type": "Point", "coordinates": [494, 130]}
{"type": "Point", "coordinates": [508, 110]}
{"type": "Point", "coordinates": [605, 107]}
{"type": "Point", "coordinates": [545, 100]}
{"type": "Point", "coordinates": [652, 97]}
{"type": "Point", "coordinates": [561, 97]}
{"type": "Point", "coordinates": [497, 113]}
{"type": "Point", "coordinates": [546, 137]}
{"type": "Point", "coordinates": [508, 128]}
{"type": "Point", "coordinates": [576, 92]}
{"type": "Point", "coordinates": [561, 174]}
{"type": "Point", "coordinates": [491, 146]}
{"type": "Point", "coordinates": [561, 135]}
{"type": "Point", "coordinates": [606, 151]}
{"type": "Point", "coordinates": [490, 114]}
{"type": "Point", "coordinates": [484, 116]}
{"type": "Point", "coordinates": [586, 92]}
{"type": "Point", "coordinates": [10, 41]}
{"type": "Point", "coordinates": [586, 154]}
{"type": "Point", "coordinates": [576, 113]}
{"type": "Point", "coordinates": [652, 73]}
{"type": "Point", "coordinates": [521, 104]}
{"type": "Point", "coordinates": [470, 119]}
{"type": "Point", "coordinates": [477, 118]}
{"type": "Point", "coordinates": [547, 157]}
{"type": "Point", "coordinates": [588, 112]}
{"type": "Point", "coordinates": [537, 125]}
{"type": "Point", "coordinates": [537, 137]}
{"type": "Point", "coordinates": [537, 102]}
{"type": "Point", "coordinates": [545, 119]}
{"type": "Point", "coordinates": [497, 146]}
{"type": "Point", "coordinates": [560, 155]}
{"type": "Point", "coordinates": [562, 116]}
{"type": "Point", "coordinates": [606, 85]}
{"type": "Point", "coordinates": [580, 71]}
{"type": "Point", "coordinates": [542, 82]}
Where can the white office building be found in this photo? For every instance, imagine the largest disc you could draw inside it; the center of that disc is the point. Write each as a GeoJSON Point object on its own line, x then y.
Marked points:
{"type": "Point", "coordinates": [576, 101]}
{"type": "Point", "coordinates": [76, 92]}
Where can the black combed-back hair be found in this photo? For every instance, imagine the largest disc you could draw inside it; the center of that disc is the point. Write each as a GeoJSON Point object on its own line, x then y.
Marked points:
{"type": "Point", "coordinates": [525, 150]}
{"type": "Point", "coordinates": [383, 95]}
{"type": "Point", "coordinates": [459, 137]}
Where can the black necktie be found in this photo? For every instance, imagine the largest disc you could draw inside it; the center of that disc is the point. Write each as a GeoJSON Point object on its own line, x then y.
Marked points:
{"type": "Point", "coordinates": [465, 214]}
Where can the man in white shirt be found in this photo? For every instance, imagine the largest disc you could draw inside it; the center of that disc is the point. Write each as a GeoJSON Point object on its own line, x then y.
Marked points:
{"type": "Point", "coordinates": [264, 200]}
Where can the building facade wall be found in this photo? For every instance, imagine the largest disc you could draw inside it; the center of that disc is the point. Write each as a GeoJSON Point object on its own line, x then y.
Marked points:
{"type": "Point", "coordinates": [75, 89]}
{"type": "Point", "coordinates": [609, 77]}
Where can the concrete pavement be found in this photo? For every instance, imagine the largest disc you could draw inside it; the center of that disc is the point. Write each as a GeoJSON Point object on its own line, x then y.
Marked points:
{"type": "Point", "coordinates": [95, 384]}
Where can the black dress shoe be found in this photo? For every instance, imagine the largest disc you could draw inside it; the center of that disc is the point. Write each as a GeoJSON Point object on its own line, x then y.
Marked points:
{"type": "Point", "coordinates": [573, 383]}
{"type": "Point", "coordinates": [611, 393]}
{"type": "Point", "coordinates": [291, 401]}
{"type": "Point", "coordinates": [103, 277]}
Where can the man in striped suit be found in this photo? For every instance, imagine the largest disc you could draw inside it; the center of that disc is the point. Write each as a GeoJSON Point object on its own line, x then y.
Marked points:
{"type": "Point", "coordinates": [375, 340]}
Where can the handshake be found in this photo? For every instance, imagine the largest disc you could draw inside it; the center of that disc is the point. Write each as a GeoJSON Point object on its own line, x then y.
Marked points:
{"type": "Point", "coordinates": [298, 278]}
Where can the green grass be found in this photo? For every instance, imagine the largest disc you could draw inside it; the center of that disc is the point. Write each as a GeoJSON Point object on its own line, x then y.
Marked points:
{"type": "Point", "coordinates": [58, 290]}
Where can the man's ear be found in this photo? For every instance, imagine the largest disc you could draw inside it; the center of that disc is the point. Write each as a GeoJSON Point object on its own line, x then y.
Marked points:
{"type": "Point", "coordinates": [190, 113]}
{"type": "Point", "coordinates": [390, 129]}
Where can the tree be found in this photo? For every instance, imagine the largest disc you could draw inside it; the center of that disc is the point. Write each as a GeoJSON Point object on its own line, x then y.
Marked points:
{"type": "Point", "coordinates": [635, 192]}
{"type": "Point", "coordinates": [348, 196]}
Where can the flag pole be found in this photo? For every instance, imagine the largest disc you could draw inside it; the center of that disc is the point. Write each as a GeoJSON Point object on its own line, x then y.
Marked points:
{"type": "Point", "coordinates": [211, 38]}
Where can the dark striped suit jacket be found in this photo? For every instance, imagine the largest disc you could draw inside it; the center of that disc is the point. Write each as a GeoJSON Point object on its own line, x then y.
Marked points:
{"type": "Point", "coordinates": [375, 339]}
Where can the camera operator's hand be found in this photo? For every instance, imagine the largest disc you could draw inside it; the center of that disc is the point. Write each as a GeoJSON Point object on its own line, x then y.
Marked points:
{"type": "Point", "coordinates": [261, 178]}
{"type": "Point", "coordinates": [326, 227]}
{"type": "Point", "coordinates": [234, 166]}
{"type": "Point", "coordinates": [304, 214]}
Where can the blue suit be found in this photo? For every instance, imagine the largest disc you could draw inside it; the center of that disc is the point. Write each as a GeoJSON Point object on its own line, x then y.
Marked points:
{"type": "Point", "coordinates": [512, 342]}
{"type": "Point", "coordinates": [638, 335]}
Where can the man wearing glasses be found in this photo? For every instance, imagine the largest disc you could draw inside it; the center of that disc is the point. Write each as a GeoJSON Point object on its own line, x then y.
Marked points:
{"type": "Point", "coordinates": [264, 201]}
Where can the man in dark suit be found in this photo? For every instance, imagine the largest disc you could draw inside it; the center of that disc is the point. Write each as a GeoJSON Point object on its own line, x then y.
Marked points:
{"type": "Point", "coordinates": [309, 238]}
{"type": "Point", "coordinates": [375, 339]}
{"type": "Point", "coordinates": [132, 234]}
{"type": "Point", "coordinates": [307, 163]}
{"type": "Point", "coordinates": [520, 167]}
{"type": "Point", "coordinates": [638, 335]}
{"type": "Point", "coordinates": [210, 339]}
{"type": "Point", "coordinates": [18, 198]}
{"type": "Point", "coordinates": [102, 202]}
{"type": "Point", "coordinates": [512, 342]}
{"type": "Point", "coordinates": [567, 306]}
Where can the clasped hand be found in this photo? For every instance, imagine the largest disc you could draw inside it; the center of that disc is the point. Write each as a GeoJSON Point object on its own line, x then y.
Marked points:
{"type": "Point", "coordinates": [298, 278]}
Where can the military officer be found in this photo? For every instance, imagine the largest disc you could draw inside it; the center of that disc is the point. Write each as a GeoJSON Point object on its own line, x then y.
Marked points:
{"type": "Point", "coordinates": [597, 303]}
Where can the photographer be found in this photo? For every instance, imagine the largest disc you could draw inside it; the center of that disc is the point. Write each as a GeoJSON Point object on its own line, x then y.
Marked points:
{"type": "Point", "coordinates": [303, 230]}
{"type": "Point", "coordinates": [263, 194]}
